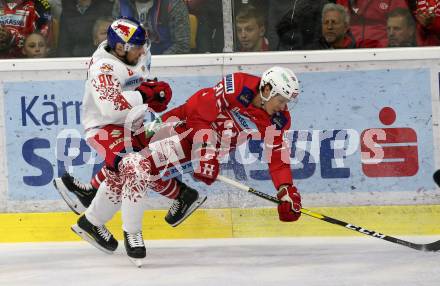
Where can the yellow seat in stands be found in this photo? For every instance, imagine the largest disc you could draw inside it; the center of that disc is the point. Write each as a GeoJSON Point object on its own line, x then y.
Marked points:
{"type": "Point", "coordinates": [193, 22]}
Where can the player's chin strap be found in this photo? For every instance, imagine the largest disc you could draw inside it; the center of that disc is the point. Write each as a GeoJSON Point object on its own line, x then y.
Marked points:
{"type": "Point", "coordinates": [434, 246]}
{"type": "Point", "coordinates": [263, 99]}
{"type": "Point", "coordinates": [127, 48]}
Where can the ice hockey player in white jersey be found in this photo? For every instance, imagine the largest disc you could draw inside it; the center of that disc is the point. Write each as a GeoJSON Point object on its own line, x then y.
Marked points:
{"type": "Point", "coordinates": [116, 88]}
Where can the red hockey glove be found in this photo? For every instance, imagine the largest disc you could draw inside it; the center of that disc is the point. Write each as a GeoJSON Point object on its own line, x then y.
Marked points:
{"type": "Point", "coordinates": [157, 94]}
{"type": "Point", "coordinates": [290, 207]}
{"type": "Point", "coordinates": [208, 168]}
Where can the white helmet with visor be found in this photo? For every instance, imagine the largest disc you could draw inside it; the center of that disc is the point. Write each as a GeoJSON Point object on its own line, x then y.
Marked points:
{"type": "Point", "coordinates": [283, 82]}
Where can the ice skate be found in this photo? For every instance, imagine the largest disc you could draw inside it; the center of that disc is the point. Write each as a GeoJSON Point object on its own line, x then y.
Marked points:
{"type": "Point", "coordinates": [77, 195]}
{"type": "Point", "coordinates": [98, 236]}
{"type": "Point", "coordinates": [184, 205]}
{"type": "Point", "coordinates": [135, 247]}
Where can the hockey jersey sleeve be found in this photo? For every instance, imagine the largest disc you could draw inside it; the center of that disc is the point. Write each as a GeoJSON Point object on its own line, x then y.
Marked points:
{"type": "Point", "coordinates": [279, 163]}
{"type": "Point", "coordinates": [205, 105]}
{"type": "Point", "coordinates": [280, 170]}
{"type": "Point", "coordinates": [105, 84]}
{"type": "Point", "coordinates": [202, 109]}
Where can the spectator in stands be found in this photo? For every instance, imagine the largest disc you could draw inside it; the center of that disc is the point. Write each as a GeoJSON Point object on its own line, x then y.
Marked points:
{"type": "Point", "coordinates": [77, 20]}
{"type": "Point", "coordinates": [55, 8]}
{"type": "Point", "coordinates": [427, 14]}
{"type": "Point", "coordinates": [100, 29]}
{"type": "Point", "coordinates": [401, 29]}
{"type": "Point", "coordinates": [18, 19]}
{"type": "Point", "coordinates": [275, 9]}
{"type": "Point", "coordinates": [6, 40]}
{"type": "Point", "coordinates": [335, 29]}
{"type": "Point", "coordinates": [368, 20]}
{"type": "Point", "coordinates": [298, 28]}
{"type": "Point", "coordinates": [250, 30]}
{"type": "Point", "coordinates": [167, 23]}
{"type": "Point", "coordinates": [35, 46]}
{"type": "Point", "coordinates": [210, 35]}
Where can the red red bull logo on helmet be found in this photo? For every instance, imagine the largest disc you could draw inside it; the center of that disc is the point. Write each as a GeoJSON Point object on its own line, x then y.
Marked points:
{"type": "Point", "coordinates": [124, 30]}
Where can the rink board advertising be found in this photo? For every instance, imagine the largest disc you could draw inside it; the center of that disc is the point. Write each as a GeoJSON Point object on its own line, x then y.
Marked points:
{"type": "Point", "coordinates": [337, 115]}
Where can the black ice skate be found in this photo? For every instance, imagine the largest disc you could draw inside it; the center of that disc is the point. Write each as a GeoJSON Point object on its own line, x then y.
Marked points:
{"type": "Point", "coordinates": [98, 236]}
{"type": "Point", "coordinates": [135, 247]}
{"type": "Point", "coordinates": [184, 205]}
{"type": "Point", "coordinates": [69, 188]}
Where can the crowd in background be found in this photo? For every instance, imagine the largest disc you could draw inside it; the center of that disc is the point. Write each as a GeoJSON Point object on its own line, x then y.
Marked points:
{"type": "Point", "coordinates": [74, 28]}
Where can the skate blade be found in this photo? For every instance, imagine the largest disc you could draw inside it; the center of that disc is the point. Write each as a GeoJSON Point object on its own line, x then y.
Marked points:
{"type": "Point", "coordinates": [85, 236]}
{"type": "Point", "coordinates": [192, 209]}
{"type": "Point", "coordinates": [136, 261]}
{"type": "Point", "coordinates": [74, 205]}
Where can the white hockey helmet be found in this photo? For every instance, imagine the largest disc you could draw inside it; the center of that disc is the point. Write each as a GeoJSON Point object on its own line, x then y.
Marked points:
{"type": "Point", "coordinates": [283, 82]}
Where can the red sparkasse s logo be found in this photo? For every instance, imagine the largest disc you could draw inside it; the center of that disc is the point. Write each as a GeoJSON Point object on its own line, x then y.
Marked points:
{"type": "Point", "coordinates": [389, 152]}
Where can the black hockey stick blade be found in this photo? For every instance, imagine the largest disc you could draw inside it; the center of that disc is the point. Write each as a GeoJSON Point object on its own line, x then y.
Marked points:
{"type": "Point", "coordinates": [434, 246]}
{"type": "Point", "coordinates": [436, 177]}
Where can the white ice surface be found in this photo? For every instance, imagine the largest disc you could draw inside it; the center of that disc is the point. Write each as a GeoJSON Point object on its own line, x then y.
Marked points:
{"type": "Point", "coordinates": [225, 262]}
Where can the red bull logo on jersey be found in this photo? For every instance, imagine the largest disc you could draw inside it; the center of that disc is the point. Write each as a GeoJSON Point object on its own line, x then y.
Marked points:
{"type": "Point", "coordinates": [106, 68]}
{"type": "Point", "coordinates": [124, 30]}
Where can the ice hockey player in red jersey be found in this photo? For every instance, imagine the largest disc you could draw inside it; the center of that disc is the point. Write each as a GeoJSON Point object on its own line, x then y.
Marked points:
{"type": "Point", "coordinates": [210, 124]}
{"type": "Point", "coordinates": [243, 105]}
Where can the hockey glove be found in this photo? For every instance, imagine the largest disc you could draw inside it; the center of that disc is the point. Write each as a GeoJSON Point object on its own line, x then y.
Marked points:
{"type": "Point", "coordinates": [157, 94]}
{"type": "Point", "coordinates": [290, 207]}
{"type": "Point", "coordinates": [208, 168]}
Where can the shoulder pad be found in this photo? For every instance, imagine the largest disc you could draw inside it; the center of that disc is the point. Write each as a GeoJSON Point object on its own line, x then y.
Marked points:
{"type": "Point", "coordinates": [105, 63]}
{"type": "Point", "coordinates": [246, 96]}
{"type": "Point", "coordinates": [106, 66]}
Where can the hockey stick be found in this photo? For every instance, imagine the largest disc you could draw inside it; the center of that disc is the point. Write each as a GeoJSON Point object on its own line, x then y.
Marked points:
{"type": "Point", "coordinates": [434, 246]}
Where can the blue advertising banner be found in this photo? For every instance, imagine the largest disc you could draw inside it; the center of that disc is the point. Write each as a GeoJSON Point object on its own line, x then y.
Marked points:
{"type": "Point", "coordinates": [42, 132]}
{"type": "Point", "coordinates": [343, 122]}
